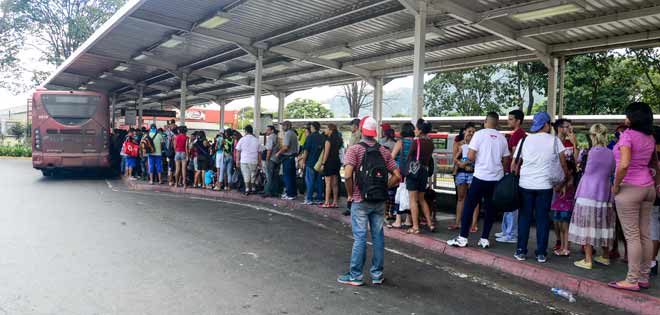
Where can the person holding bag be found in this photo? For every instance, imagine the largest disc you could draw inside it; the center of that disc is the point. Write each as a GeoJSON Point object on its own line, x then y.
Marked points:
{"type": "Point", "coordinates": [420, 162]}
{"type": "Point", "coordinates": [400, 155]}
{"type": "Point", "coordinates": [537, 153]}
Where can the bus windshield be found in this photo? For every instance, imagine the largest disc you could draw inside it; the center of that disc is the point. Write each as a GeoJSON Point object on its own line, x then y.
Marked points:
{"type": "Point", "coordinates": [71, 109]}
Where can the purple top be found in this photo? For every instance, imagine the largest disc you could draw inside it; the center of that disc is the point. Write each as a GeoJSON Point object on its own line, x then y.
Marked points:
{"type": "Point", "coordinates": [595, 182]}
{"type": "Point", "coordinates": [641, 146]}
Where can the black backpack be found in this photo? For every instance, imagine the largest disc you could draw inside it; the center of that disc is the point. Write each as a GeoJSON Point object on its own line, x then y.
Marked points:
{"type": "Point", "coordinates": [372, 174]}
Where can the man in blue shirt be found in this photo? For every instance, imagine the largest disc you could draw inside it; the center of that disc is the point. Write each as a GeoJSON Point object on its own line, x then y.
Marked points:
{"type": "Point", "coordinates": [311, 153]}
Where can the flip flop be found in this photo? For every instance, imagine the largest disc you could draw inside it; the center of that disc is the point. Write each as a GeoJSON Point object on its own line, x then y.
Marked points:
{"type": "Point", "coordinates": [616, 285]}
{"type": "Point", "coordinates": [392, 226]}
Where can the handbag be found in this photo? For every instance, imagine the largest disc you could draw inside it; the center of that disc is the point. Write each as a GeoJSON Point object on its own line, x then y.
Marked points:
{"type": "Point", "coordinates": [319, 163]}
{"type": "Point", "coordinates": [414, 165]}
{"type": "Point", "coordinates": [556, 171]}
{"type": "Point", "coordinates": [506, 196]}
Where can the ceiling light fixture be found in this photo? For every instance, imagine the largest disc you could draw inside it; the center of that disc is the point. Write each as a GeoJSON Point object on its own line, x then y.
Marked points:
{"type": "Point", "coordinates": [105, 75]}
{"type": "Point", "coordinates": [143, 55]}
{"type": "Point", "coordinates": [174, 41]}
{"type": "Point", "coordinates": [435, 34]}
{"type": "Point", "coordinates": [121, 67]}
{"type": "Point", "coordinates": [545, 13]}
{"type": "Point", "coordinates": [341, 53]}
{"type": "Point", "coordinates": [234, 76]}
{"type": "Point", "coordinates": [215, 21]}
{"type": "Point", "coordinates": [278, 66]}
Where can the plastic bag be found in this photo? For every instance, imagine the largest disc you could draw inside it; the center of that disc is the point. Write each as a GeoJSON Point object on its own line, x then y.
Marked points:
{"type": "Point", "coordinates": [402, 198]}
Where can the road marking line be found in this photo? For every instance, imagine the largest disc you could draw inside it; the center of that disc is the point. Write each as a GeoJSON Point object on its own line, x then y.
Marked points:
{"type": "Point", "coordinates": [451, 271]}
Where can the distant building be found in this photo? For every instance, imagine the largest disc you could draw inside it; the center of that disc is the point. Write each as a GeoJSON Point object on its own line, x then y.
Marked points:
{"type": "Point", "coordinates": [12, 116]}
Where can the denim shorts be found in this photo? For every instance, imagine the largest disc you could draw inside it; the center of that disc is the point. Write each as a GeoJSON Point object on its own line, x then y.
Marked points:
{"type": "Point", "coordinates": [417, 182]}
{"type": "Point", "coordinates": [180, 156]}
{"type": "Point", "coordinates": [463, 178]}
{"type": "Point", "coordinates": [561, 216]}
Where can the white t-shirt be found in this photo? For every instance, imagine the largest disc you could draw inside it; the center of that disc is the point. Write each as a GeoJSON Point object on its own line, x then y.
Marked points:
{"type": "Point", "coordinates": [537, 153]}
{"type": "Point", "coordinates": [249, 147]}
{"type": "Point", "coordinates": [491, 147]}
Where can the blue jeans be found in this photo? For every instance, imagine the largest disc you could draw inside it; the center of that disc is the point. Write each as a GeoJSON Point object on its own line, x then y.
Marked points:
{"type": "Point", "coordinates": [480, 189]}
{"type": "Point", "coordinates": [510, 224]}
{"type": "Point", "coordinates": [536, 203]}
{"type": "Point", "coordinates": [144, 166]}
{"type": "Point", "coordinates": [289, 176]}
{"type": "Point", "coordinates": [363, 213]}
{"type": "Point", "coordinates": [313, 183]}
{"type": "Point", "coordinates": [227, 169]}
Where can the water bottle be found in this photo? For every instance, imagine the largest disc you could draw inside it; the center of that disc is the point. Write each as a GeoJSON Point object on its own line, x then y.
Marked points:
{"type": "Point", "coordinates": [563, 293]}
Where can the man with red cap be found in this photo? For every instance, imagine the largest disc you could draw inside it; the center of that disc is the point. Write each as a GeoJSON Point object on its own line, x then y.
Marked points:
{"type": "Point", "coordinates": [366, 169]}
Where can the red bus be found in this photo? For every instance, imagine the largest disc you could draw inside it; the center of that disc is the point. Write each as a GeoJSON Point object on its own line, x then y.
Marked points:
{"type": "Point", "coordinates": [70, 130]}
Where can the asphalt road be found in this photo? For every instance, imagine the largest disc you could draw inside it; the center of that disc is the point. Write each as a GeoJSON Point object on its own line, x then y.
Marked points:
{"type": "Point", "coordinates": [85, 245]}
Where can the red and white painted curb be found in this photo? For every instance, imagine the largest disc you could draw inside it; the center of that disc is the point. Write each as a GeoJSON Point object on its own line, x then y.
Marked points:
{"type": "Point", "coordinates": [638, 303]}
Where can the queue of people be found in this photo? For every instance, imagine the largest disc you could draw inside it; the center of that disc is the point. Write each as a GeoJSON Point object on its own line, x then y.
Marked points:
{"type": "Point", "coordinates": [584, 196]}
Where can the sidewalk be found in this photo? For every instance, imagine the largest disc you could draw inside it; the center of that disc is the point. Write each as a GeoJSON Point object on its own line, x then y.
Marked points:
{"type": "Point", "coordinates": [557, 272]}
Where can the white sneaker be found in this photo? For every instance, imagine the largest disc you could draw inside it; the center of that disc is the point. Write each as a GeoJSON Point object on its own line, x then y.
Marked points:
{"type": "Point", "coordinates": [499, 234]}
{"type": "Point", "coordinates": [507, 239]}
{"type": "Point", "coordinates": [458, 241]}
{"type": "Point", "coordinates": [483, 243]}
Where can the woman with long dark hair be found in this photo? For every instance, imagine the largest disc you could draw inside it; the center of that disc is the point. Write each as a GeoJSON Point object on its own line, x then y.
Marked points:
{"type": "Point", "coordinates": [463, 178]}
{"type": "Point", "coordinates": [400, 154]}
{"type": "Point", "coordinates": [634, 192]}
{"type": "Point", "coordinates": [330, 165]}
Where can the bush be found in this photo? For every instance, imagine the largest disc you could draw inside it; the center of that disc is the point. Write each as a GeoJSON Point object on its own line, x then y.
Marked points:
{"type": "Point", "coordinates": [16, 151]}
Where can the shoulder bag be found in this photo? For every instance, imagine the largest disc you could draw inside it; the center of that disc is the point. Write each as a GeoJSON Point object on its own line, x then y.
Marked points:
{"type": "Point", "coordinates": [506, 196]}
{"type": "Point", "coordinates": [556, 171]}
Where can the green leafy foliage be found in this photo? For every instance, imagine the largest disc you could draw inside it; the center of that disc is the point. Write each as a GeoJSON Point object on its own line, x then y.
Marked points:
{"type": "Point", "coordinates": [306, 108]}
{"type": "Point", "coordinates": [17, 130]}
{"type": "Point", "coordinates": [472, 92]}
{"type": "Point", "coordinates": [16, 151]}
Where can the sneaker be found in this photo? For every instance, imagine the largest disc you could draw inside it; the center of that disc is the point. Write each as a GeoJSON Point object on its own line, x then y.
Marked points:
{"type": "Point", "coordinates": [346, 279]}
{"type": "Point", "coordinates": [583, 264]}
{"type": "Point", "coordinates": [602, 260]}
{"type": "Point", "coordinates": [377, 280]}
{"type": "Point", "coordinates": [307, 202]}
{"type": "Point", "coordinates": [499, 234]}
{"type": "Point", "coordinates": [520, 256]}
{"type": "Point", "coordinates": [458, 241]}
{"type": "Point", "coordinates": [541, 258]}
{"type": "Point", "coordinates": [483, 243]}
{"type": "Point", "coordinates": [507, 240]}
{"type": "Point", "coordinates": [288, 198]}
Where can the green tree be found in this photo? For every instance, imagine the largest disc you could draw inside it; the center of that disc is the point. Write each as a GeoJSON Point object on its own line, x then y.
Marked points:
{"type": "Point", "coordinates": [63, 24]}
{"type": "Point", "coordinates": [306, 108]}
{"type": "Point", "coordinates": [601, 83]}
{"type": "Point", "coordinates": [648, 64]}
{"type": "Point", "coordinates": [471, 92]}
{"type": "Point", "coordinates": [17, 130]}
{"type": "Point", "coordinates": [529, 78]}
{"type": "Point", "coordinates": [11, 42]}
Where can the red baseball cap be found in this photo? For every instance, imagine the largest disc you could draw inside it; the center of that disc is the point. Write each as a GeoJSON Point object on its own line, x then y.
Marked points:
{"type": "Point", "coordinates": [368, 126]}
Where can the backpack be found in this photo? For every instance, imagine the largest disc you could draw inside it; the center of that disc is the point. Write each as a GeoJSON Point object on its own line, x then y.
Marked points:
{"type": "Point", "coordinates": [372, 174]}
{"type": "Point", "coordinates": [131, 149]}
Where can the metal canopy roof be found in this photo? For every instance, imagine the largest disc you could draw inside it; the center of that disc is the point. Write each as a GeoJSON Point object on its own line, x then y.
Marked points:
{"type": "Point", "coordinates": [369, 38]}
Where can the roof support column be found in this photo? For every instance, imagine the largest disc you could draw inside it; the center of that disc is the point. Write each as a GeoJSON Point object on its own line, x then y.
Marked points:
{"type": "Point", "coordinates": [281, 99]}
{"type": "Point", "coordinates": [184, 95]}
{"type": "Point", "coordinates": [222, 104]}
{"type": "Point", "coordinates": [377, 114]}
{"type": "Point", "coordinates": [257, 91]}
{"type": "Point", "coordinates": [552, 87]}
{"type": "Point", "coordinates": [562, 77]}
{"type": "Point", "coordinates": [140, 90]}
{"type": "Point", "coordinates": [418, 61]}
{"type": "Point", "coordinates": [113, 106]}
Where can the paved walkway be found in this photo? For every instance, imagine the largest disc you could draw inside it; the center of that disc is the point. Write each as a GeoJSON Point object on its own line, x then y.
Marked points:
{"type": "Point", "coordinates": [557, 272]}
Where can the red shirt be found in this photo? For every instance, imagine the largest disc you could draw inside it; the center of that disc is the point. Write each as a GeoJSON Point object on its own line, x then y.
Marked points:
{"type": "Point", "coordinates": [515, 138]}
{"type": "Point", "coordinates": [354, 156]}
{"type": "Point", "coordinates": [180, 143]}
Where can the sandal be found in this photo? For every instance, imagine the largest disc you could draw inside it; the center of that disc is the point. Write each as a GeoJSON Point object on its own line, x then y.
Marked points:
{"type": "Point", "coordinates": [333, 206]}
{"type": "Point", "coordinates": [616, 285]}
{"type": "Point", "coordinates": [453, 227]}
{"type": "Point", "coordinates": [412, 231]}
{"type": "Point", "coordinates": [325, 205]}
{"type": "Point", "coordinates": [431, 228]}
{"type": "Point", "coordinates": [564, 253]}
{"type": "Point", "coordinates": [392, 226]}
{"type": "Point", "coordinates": [474, 229]}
